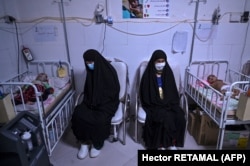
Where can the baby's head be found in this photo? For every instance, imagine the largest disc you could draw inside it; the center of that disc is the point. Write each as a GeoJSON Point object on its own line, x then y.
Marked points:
{"type": "Point", "coordinates": [211, 78]}
{"type": "Point", "coordinates": [42, 77]}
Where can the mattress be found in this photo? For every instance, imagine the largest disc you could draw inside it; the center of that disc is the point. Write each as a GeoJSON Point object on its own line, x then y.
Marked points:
{"type": "Point", "coordinates": [61, 87]}
{"type": "Point", "coordinates": [212, 100]}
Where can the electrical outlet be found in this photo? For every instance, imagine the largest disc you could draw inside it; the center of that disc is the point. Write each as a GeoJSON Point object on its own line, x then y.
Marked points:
{"type": "Point", "coordinates": [235, 17]}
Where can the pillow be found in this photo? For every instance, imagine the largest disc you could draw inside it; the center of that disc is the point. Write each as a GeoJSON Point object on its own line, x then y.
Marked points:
{"type": "Point", "coordinates": [55, 82]}
{"type": "Point", "coordinates": [29, 78]}
{"type": "Point", "coordinates": [60, 82]}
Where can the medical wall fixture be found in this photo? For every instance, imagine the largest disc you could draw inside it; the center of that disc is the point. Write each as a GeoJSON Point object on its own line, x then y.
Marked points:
{"type": "Point", "coordinates": [216, 16]}
{"type": "Point", "coordinates": [244, 17]}
{"type": "Point", "coordinates": [99, 17]}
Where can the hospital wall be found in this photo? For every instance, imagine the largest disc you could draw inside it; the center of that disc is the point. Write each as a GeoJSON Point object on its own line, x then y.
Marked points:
{"type": "Point", "coordinates": [131, 40]}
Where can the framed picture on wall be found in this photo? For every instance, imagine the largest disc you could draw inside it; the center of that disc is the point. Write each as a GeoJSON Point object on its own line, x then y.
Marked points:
{"type": "Point", "coordinates": [145, 8]}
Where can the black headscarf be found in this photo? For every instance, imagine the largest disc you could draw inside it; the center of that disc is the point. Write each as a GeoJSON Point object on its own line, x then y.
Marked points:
{"type": "Point", "coordinates": [149, 90]}
{"type": "Point", "coordinates": [165, 121]}
{"type": "Point", "coordinates": [101, 90]}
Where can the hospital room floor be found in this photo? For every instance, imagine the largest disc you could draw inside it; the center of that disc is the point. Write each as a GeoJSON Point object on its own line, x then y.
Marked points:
{"type": "Point", "coordinates": [115, 153]}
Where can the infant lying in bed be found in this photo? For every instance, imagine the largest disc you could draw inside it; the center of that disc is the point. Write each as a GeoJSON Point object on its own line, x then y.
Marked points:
{"type": "Point", "coordinates": [222, 87]}
{"type": "Point", "coordinates": [41, 82]}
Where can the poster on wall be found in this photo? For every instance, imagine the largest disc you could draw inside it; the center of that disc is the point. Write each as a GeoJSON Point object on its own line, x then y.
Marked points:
{"type": "Point", "coordinates": [145, 8]}
{"type": "Point", "coordinates": [45, 33]}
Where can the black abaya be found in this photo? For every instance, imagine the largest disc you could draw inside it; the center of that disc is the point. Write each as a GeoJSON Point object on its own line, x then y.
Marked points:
{"type": "Point", "coordinates": [91, 120]}
{"type": "Point", "coordinates": [165, 120]}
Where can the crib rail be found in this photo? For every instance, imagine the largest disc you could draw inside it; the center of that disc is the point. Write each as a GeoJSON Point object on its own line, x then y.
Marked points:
{"type": "Point", "coordinates": [13, 88]}
{"type": "Point", "coordinates": [57, 124]}
{"type": "Point", "coordinates": [49, 67]}
{"type": "Point", "coordinates": [198, 89]}
{"type": "Point", "coordinates": [54, 122]}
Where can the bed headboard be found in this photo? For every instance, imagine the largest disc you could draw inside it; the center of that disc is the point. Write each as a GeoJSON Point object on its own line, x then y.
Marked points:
{"type": "Point", "coordinates": [202, 69]}
{"type": "Point", "coordinates": [48, 67]}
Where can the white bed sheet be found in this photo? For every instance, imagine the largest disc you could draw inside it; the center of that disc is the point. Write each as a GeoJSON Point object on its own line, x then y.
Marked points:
{"type": "Point", "coordinates": [215, 99]}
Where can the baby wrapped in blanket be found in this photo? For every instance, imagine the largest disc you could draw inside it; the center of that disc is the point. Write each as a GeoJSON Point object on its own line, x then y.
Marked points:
{"type": "Point", "coordinates": [28, 93]}
{"type": "Point", "coordinates": [221, 86]}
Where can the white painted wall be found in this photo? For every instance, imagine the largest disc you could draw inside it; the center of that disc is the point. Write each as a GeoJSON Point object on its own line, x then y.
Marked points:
{"type": "Point", "coordinates": [131, 40]}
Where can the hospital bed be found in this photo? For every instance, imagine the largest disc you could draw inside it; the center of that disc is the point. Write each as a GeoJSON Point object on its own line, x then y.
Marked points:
{"type": "Point", "coordinates": [55, 112]}
{"type": "Point", "coordinates": [221, 108]}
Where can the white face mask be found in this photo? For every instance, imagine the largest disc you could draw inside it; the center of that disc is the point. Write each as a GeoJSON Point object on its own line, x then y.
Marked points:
{"type": "Point", "coordinates": [160, 66]}
{"type": "Point", "coordinates": [90, 66]}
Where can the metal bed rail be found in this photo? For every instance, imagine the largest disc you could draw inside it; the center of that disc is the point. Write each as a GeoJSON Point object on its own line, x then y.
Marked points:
{"type": "Point", "coordinates": [56, 126]}
{"type": "Point", "coordinates": [55, 122]}
{"type": "Point", "coordinates": [197, 89]}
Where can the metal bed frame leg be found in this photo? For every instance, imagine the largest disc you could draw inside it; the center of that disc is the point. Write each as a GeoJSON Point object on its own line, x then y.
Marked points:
{"type": "Point", "coordinates": [136, 123]}
{"type": "Point", "coordinates": [184, 105]}
{"type": "Point", "coordinates": [124, 131]}
{"type": "Point", "coordinates": [136, 130]}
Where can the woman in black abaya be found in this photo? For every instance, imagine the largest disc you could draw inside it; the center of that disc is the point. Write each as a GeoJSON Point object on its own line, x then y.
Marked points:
{"type": "Point", "coordinates": [91, 120]}
{"type": "Point", "coordinates": [165, 121]}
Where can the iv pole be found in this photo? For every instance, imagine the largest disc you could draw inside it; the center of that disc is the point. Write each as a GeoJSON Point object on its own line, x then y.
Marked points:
{"type": "Point", "coordinates": [195, 24]}
{"type": "Point", "coordinates": [61, 4]}
{"type": "Point", "coordinates": [65, 31]}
